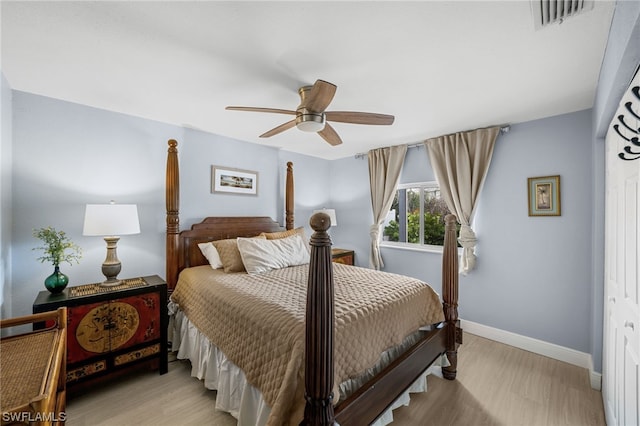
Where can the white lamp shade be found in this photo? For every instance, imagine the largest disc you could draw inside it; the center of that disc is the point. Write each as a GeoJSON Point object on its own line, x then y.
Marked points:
{"type": "Point", "coordinates": [111, 220]}
{"type": "Point", "coordinates": [331, 213]}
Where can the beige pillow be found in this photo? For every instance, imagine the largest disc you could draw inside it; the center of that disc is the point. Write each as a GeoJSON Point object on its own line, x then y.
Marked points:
{"type": "Point", "coordinates": [284, 234]}
{"type": "Point", "coordinates": [229, 254]}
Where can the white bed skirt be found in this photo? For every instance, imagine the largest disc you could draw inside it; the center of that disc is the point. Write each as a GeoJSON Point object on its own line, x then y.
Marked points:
{"type": "Point", "coordinates": [234, 394]}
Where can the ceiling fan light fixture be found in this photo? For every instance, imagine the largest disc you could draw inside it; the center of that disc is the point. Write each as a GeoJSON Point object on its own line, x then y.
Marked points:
{"type": "Point", "coordinates": [312, 115]}
{"type": "Point", "coordinates": [308, 121]}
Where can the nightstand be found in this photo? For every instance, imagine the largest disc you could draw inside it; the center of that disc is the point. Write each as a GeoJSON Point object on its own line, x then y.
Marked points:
{"type": "Point", "coordinates": [343, 256]}
{"type": "Point", "coordinates": [112, 329]}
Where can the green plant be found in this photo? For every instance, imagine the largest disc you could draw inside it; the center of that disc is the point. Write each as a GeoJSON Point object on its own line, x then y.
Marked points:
{"type": "Point", "coordinates": [433, 229]}
{"type": "Point", "coordinates": [392, 231]}
{"type": "Point", "coordinates": [56, 244]}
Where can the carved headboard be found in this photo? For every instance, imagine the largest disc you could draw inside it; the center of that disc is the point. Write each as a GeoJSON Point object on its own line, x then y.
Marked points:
{"type": "Point", "coordinates": [182, 247]}
{"type": "Point", "coordinates": [219, 228]}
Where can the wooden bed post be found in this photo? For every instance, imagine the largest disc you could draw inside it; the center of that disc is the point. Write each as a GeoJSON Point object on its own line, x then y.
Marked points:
{"type": "Point", "coordinates": [319, 325]}
{"type": "Point", "coordinates": [288, 202]}
{"type": "Point", "coordinates": [173, 214]}
{"type": "Point", "coordinates": [450, 296]}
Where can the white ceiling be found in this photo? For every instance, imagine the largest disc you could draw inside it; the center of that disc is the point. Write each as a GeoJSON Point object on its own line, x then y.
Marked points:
{"type": "Point", "coordinates": [439, 67]}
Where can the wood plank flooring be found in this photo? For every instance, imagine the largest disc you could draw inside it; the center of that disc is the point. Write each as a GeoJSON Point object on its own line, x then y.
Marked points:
{"type": "Point", "coordinates": [497, 385]}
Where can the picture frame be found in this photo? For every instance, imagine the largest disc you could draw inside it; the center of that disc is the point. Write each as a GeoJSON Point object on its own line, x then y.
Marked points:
{"type": "Point", "coordinates": [233, 181]}
{"type": "Point", "coordinates": [544, 196]}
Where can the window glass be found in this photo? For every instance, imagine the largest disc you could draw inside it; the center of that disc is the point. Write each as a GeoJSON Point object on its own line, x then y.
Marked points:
{"type": "Point", "coordinates": [416, 216]}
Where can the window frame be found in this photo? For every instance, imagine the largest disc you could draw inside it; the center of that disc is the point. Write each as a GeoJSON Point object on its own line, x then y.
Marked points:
{"type": "Point", "coordinates": [415, 246]}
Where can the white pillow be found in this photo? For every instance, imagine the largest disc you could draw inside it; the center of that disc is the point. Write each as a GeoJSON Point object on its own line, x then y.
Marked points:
{"type": "Point", "coordinates": [264, 255]}
{"type": "Point", "coordinates": [209, 251]}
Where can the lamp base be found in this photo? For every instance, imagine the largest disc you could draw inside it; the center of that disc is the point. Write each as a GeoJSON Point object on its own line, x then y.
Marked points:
{"type": "Point", "coordinates": [111, 266]}
{"type": "Point", "coordinates": [111, 283]}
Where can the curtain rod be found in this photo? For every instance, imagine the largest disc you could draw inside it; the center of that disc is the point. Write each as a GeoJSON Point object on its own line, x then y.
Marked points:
{"type": "Point", "coordinates": [503, 129]}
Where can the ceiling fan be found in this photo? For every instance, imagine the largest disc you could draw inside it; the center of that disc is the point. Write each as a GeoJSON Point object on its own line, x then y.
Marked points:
{"type": "Point", "coordinates": [312, 117]}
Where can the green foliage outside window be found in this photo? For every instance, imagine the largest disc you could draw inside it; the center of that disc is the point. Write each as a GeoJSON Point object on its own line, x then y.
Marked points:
{"type": "Point", "coordinates": [433, 229]}
{"type": "Point", "coordinates": [435, 209]}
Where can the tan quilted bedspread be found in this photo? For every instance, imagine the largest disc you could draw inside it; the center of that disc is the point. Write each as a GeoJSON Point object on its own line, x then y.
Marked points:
{"type": "Point", "coordinates": [258, 323]}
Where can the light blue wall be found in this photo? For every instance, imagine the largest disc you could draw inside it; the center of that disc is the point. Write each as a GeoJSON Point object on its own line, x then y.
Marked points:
{"type": "Point", "coordinates": [350, 195]}
{"type": "Point", "coordinates": [197, 152]}
{"type": "Point", "coordinates": [5, 196]}
{"type": "Point", "coordinates": [538, 265]}
{"type": "Point", "coordinates": [66, 155]}
{"type": "Point", "coordinates": [533, 273]}
{"type": "Point", "coordinates": [311, 186]}
{"type": "Point", "coordinates": [575, 281]}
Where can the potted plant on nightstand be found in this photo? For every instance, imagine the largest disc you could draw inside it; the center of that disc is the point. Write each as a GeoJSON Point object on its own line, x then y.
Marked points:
{"type": "Point", "coordinates": [57, 248]}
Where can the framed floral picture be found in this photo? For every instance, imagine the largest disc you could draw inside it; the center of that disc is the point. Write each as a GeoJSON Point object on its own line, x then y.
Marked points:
{"type": "Point", "coordinates": [234, 181]}
{"type": "Point", "coordinates": [544, 196]}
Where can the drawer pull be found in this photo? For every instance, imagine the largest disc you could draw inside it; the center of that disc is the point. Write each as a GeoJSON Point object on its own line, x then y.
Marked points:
{"type": "Point", "coordinates": [629, 324]}
{"type": "Point", "coordinates": [612, 299]}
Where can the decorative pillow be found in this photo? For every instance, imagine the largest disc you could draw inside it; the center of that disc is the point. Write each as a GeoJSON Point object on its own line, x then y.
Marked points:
{"type": "Point", "coordinates": [210, 252]}
{"type": "Point", "coordinates": [229, 254]}
{"type": "Point", "coordinates": [289, 233]}
{"type": "Point", "coordinates": [284, 234]}
{"type": "Point", "coordinates": [264, 255]}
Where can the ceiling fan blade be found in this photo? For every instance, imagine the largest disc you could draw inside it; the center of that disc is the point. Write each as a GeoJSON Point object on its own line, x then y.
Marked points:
{"type": "Point", "coordinates": [281, 128]}
{"type": "Point", "coordinates": [320, 96]}
{"type": "Point", "coordinates": [329, 134]}
{"type": "Point", "coordinates": [354, 117]}
{"type": "Point", "coordinates": [255, 109]}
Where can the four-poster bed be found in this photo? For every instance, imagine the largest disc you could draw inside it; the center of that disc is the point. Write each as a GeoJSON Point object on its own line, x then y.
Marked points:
{"type": "Point", "coordinates": [319, 334]}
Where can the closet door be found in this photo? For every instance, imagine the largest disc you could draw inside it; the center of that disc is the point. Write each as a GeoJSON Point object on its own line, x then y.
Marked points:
{"type": "Point", "coordinates": [621, 354]}
{"type": "Point", "coordinates": [627, 307]}
{"type": "Point", "coordinates": [613, 264]}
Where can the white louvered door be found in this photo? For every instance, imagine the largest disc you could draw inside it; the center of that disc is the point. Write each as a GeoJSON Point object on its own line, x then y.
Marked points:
{"type": "Point", "coordinates": [621, 352]}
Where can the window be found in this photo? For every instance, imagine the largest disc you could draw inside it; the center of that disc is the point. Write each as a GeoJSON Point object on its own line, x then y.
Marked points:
{"type": "Point", "coordinates": [417, 216]}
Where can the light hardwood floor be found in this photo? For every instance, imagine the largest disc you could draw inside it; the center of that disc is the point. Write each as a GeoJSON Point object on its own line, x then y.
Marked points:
{"type": "Point", "coordinates": [497, 385]}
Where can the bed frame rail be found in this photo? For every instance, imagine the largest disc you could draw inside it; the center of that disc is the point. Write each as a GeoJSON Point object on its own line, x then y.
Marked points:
{"type": "Point", "coordinates": [374, 397]}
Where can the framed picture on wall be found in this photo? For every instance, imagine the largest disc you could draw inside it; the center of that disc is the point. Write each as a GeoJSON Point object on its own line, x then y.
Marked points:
{"type": "Point", "coordinates": [544, 196]}
{"type": "Point", "coordinates": [233, 181]}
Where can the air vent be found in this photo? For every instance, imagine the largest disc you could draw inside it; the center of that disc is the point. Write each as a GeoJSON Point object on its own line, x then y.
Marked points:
{"type": "Point", "coordinates": [546, 12]}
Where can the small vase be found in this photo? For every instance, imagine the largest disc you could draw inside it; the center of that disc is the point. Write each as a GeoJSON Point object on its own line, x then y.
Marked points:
{"type": "Point", "coordinates": [57, 281]}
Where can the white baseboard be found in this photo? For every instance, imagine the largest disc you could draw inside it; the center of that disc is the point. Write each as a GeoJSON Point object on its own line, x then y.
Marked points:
{"type": "Point", "coordinates": [540, 347]}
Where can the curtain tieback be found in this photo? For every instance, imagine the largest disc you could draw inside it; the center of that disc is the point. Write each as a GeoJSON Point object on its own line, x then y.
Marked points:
{"type": "Point", "coordinates": [374, 232]}
{"type": "Point", "coordinates": [468, 241]}
{"type": "Point", "coordinates": [467, 237]}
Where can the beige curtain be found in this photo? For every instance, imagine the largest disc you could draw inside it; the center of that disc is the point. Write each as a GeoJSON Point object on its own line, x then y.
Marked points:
{"type": "Point", "coordinates": [385, 165]}
{"type": "Point", "coordinates": [460, 162]}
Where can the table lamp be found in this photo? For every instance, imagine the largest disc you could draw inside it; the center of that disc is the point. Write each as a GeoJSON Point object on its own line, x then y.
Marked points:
{"type": "Point", "coordinates": [110, 221]}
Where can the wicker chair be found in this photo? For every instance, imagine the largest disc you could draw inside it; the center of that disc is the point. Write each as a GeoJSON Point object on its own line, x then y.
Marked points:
{"type": "Point", "coordinates": [33, 371]}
